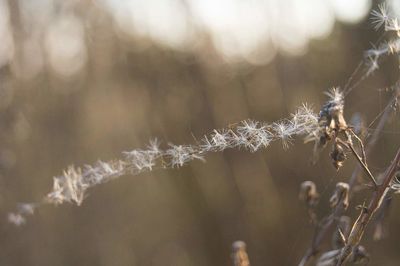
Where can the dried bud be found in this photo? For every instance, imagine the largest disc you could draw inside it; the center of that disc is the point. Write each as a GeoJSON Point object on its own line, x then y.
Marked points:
{"type": "Point", "coordinates": [340, 121]}
{"type": "Point", "coordinates": [335, 109]}
{"type": "Point", "coordinates": [379, 231]}
{"type": "Point", "coordinates": [338, 156]}
{"type": "Point", "coordinates": [323, 139]}
{"type": "Point", "coordinates": [340, 196]}
{"type": "Point", "coordinates": [308, 193]}
{"type": "Point", "coordinates": [331, 122]}
{"type": "Point", "coordinates": [239, 254]}
{"type": "Point", "coordinates": [396, 183]}
{"type": "Point", "coordinates": [342, 230]}
{"type": "Point", "coordinates": [328, 258]}
{"type": "Point", "coordinates": [332, 111]}
{"type": "Point", "coordinates": [360, 255]}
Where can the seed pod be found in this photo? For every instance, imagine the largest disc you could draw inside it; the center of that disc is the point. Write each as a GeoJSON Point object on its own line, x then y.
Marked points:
{"type": "Point", "coordinates": [328, 258]}
{"type": "Point", "coordinates": [360, 255]}
{"type": "Point", "coordinates": [239, 254]}
{"type": "Point", "coordinates": [340, 121]}
{"type": "Point", "coordinates": [338, 156]}
{"type": "Point", "coordinates": [308, 193]}
{"type": "Point", "coordinates": [340, 195]}
{"type": "Point", "coordinates": [332, 111]}
{"type": "Point", "coordinates": [331, 123]}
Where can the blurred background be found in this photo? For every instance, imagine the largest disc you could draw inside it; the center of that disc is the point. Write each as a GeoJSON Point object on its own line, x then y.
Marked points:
{"type": "Point", "coordinates": [86, 80]}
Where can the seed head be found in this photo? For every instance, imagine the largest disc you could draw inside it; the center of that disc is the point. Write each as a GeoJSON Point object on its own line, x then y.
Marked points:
{"type": "Point", "coordinates": [340, 195]}
{"type": "Point", "coordinates": [239, 254]}
{"type": "Point", "coordinates": [380, 17]}
{"type": "Point", "coordinates": [308, 193]}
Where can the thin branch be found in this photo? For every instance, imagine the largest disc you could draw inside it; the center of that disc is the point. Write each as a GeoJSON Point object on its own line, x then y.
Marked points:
{"type": "Point", "coordinates": [321, 230]}
{"type": "Point", "coordinates": [364, 156]}
{"type": "Point", "coordinates": [363, 165]}
{"type": "Point", "coordinates": [324, 228]}
{"type": "Point", "coordinates": [374, 138]}
{"type": "Point", "coordinates": [367, 213]}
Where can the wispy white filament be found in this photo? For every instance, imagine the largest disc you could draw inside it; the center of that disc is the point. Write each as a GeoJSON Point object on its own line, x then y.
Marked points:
{"type": "Point", "coordinates": [72, 184]}
{"type": "Point", "coordinates": [382, 18]}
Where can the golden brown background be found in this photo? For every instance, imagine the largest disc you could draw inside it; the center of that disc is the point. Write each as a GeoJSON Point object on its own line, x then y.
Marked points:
{"type": "Point", "coordinates": [130, 89]}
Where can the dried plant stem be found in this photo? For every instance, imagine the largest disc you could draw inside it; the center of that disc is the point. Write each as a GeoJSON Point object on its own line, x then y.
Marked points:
{"type": "Point", "coordinates": [375, 136]}
{"type": "Point", "coordinates": [321, 230]}
{"type": "Point", "coordinates": [326, 223]}
{"type": "Point", "coordinates": [361, 162]}
{"type": "Point", "coordinates": [367, 213]}
{"type": "Point", "coordinates": [360, 142]}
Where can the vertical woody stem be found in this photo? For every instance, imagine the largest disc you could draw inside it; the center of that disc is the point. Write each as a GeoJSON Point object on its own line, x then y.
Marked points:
{"type": "Point", "coordinates": [367, 213]}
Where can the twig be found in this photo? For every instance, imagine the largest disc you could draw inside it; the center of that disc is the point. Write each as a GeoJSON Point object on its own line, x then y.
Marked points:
{"type": "Point", "coordinates": [374, 138]}
{"type": "Point", "coordinates": [364, 156]}
{"type": "Point", "coordinates": [321, 230]}
{"type": "Point", "coordinates": [367, 213]}
{"type": "Point", "coordinates": [325, 227]}
{"type": "Point", "coordinates": [360, 160]}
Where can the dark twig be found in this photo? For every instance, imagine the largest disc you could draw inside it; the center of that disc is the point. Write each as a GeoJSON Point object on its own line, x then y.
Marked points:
{"type": "Point", "coordinates": [322, 229]}
{"type": "Point", "coordinates": [363, 154]}
{"type": "Point", "coordinates": [374, 138]}
{"type": "Point", "coordinates": [367, 213]}
{"type": "Point", "coordinates": [361, 162]}
{"type": "Point", "coordinates": [326, 223]}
